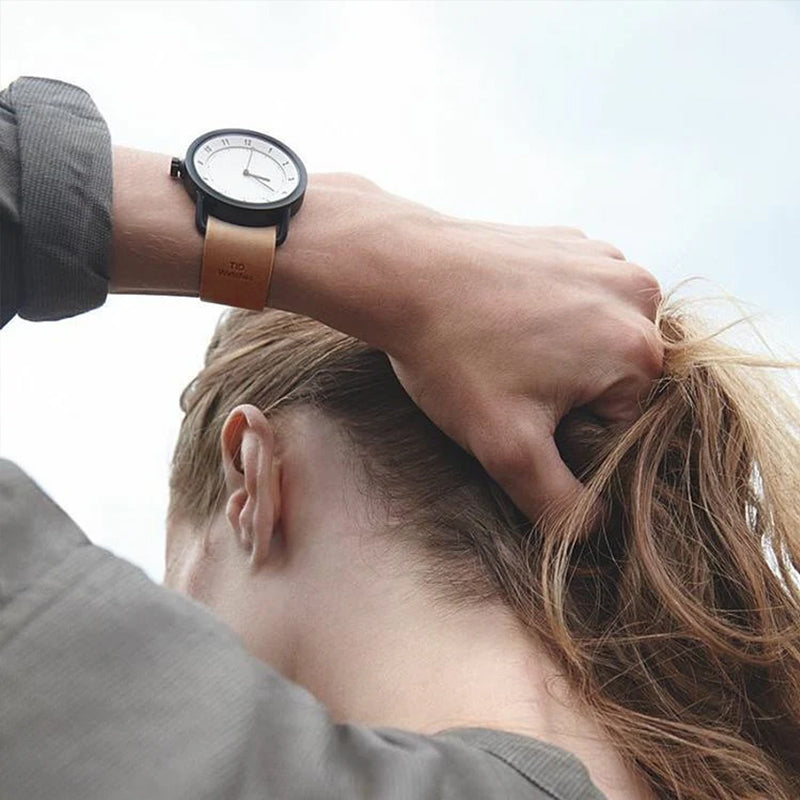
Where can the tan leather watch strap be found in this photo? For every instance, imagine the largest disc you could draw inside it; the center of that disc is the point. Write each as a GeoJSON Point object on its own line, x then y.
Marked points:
{"type": "Point", "coordinates": [237, 264]}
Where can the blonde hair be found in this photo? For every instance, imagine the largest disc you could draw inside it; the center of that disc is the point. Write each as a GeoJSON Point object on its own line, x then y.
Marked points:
{"type": "Point", "coordinates": [671, 622]}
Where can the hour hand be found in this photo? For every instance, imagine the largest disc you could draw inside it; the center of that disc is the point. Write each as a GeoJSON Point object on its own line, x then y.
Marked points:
{"type": "Point", "coordinates": [258, 178]}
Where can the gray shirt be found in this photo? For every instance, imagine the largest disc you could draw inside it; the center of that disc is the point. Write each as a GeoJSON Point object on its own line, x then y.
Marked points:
{"type": "Point", "coordinates": [114, 687]}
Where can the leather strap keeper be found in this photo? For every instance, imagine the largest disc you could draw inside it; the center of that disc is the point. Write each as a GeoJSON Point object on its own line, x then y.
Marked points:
{"type": "Point", "coordinates": [237, 264]}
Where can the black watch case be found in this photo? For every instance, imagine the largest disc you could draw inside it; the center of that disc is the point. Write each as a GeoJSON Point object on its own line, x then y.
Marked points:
{"type": "Point", "coordinates": [253, 215]}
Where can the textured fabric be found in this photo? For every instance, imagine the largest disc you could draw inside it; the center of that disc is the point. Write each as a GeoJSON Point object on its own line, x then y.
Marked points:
{"type": "Point", "coordinates": [55, 201]}
{"type": "Point", "coordinates": [114, 687]}
{"type": "Point", "coordinates": [9, 212]}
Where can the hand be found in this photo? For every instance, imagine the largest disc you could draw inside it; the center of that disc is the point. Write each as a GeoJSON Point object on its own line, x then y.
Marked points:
{"type": "Point", "coordinates": [495, 331]}
{"type": "Point", "coordinates": [519, 326]}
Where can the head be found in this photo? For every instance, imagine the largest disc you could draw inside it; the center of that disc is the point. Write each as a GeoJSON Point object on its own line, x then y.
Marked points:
{"type": "Point", "coordinates": [306, 485]}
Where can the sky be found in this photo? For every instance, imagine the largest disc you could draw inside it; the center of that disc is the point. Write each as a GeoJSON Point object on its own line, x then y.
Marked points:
{"type": "Point", "coordinates": [668, 128]}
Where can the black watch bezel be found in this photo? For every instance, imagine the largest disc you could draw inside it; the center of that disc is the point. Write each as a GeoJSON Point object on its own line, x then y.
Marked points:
{"type": "Point", "coordinates": [253, 215]}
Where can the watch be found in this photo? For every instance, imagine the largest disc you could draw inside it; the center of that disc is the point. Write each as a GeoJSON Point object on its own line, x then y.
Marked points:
{"type": "Point", "coordinates": [246, 186]}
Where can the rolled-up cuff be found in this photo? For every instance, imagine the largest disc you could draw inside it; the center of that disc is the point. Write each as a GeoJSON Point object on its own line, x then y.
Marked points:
{"type": "Point", "coordinates": [66, 193]}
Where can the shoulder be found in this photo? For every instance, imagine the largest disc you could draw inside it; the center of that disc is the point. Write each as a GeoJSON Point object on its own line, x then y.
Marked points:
{"type": "Point", "coordinates": [36, 534]}
{"type": "Point", "coordinates": [106, 675]}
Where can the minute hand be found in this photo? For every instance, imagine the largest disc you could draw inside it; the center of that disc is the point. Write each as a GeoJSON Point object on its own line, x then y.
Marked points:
{"type": "Point", "coordinates": [258, 178]}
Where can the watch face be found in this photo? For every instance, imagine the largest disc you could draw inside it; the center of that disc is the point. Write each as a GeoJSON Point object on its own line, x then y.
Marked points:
{"type": "Point", "coordinates": [246, 167]}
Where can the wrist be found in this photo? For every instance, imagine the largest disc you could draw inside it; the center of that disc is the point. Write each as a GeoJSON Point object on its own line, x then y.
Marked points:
{"type": "Point", "coordinates": [351, 259]}
{"type": "Point", "coordinates": [156, 247]}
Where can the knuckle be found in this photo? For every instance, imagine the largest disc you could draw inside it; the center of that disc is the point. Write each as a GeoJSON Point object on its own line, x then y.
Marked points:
{"type": "Point", "coordinates": [564, 232]}
{"type": "Point", "coordinates": [576, 232]}
{"type": "Point", "coordinates": [645, 284]}
{"type": "Point", "coordinates": [608, 249]}
{"type": "Point", "coordinates": [642, 346]}
{"type": "Point", "coordinates": [654, 365]}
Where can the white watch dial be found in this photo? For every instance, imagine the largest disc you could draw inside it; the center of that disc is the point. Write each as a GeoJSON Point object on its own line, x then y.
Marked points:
{"type": "Point", "coordinates": [246, 168]}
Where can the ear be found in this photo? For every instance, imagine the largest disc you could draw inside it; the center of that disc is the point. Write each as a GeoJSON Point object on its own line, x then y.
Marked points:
{"type": "Point", "coordinates": [252, 480]}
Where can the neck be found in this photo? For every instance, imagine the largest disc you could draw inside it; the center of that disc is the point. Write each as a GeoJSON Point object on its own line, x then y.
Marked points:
{"type": "Point", "coordinates": [427, 672]}
{"type": "Point", "coordinates": [408, 663]}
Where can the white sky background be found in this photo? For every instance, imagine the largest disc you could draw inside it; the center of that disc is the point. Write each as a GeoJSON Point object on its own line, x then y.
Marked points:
{"type": "Point", "coordinates": [671, 129]}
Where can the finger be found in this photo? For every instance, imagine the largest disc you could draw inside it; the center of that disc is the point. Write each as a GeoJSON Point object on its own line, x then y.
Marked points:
{"type": "Point", "coordinates": [623, 402]}
{"type": "Point", "coordinates": [640, 352]}
{"type": "Point", "coordinates": [528, 466]}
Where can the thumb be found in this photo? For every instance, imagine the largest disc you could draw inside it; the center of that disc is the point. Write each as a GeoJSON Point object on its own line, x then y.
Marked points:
{"type": "Point", "coordinates": [525, 461]}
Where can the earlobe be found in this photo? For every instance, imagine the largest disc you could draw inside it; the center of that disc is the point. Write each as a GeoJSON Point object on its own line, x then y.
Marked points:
{"type": "Point", "coordinates": [252, 480]}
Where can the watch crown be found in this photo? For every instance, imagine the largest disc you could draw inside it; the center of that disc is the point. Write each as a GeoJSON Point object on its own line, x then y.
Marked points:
{"type": "Point", "coordinates": [175, 168]}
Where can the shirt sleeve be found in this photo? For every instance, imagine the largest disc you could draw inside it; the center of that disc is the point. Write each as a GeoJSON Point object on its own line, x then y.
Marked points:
{"type": "Point", "coordinates": [55, 201]}
{"type": "Point", "coordinates": [112, 687]}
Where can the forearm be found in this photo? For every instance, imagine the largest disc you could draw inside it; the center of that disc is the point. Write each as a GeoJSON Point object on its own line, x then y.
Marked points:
{"type": "Point", "coordinates": [156, 248]}
{"type": "Point", "coordinates": [340, 263]}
